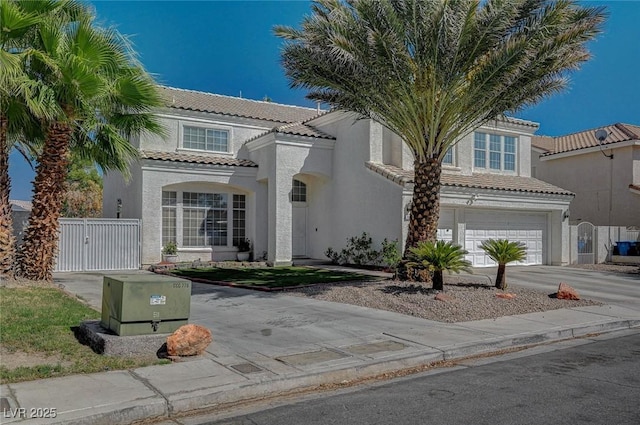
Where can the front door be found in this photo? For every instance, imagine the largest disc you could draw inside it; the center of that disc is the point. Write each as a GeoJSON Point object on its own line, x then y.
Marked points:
{"type": "Point", "coordinates": [299, 243]}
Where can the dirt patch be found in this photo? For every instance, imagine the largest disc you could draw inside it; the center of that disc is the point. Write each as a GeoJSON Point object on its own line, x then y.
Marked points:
{"type": "Point", "coordinates": [15, 359]}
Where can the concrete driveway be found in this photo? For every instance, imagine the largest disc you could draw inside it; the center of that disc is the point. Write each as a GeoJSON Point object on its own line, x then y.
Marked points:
{"type": "Point", "coordinates": [607, 287]}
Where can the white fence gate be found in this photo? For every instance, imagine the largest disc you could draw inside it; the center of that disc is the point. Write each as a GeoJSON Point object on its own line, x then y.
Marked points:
{"type": "Point", "coordinates": [586, 243]}
{"type": "Point", "coordinates": [92, 244]}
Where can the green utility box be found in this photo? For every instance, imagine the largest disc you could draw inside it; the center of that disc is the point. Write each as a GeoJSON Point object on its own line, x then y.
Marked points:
{"type": "Point", "coordinates": [139, 304]}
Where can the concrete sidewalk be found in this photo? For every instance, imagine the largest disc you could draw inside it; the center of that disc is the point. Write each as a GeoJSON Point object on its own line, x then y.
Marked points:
{"type": "Point", "coordinates": [266, 344]}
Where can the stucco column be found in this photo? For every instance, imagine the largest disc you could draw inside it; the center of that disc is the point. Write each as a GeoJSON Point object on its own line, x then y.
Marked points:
{"type": "Point", "coordinates": [559, 254]}
{"type": "Point", "coordinates": [280, 216]}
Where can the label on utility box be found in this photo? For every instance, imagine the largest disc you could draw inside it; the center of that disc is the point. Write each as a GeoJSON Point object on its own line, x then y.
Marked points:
{"type": "Point", "coordinates": [158, 300]}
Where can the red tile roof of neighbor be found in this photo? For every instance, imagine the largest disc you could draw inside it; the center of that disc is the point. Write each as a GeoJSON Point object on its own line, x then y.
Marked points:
{"type": "Point", "coordinates": [586, 139]}
{"type": "Point", "coordinates": [197, 158]}
{"type": "Point", "coordinates": [192, 100]}
{"type": "Point", "coordinates": [477, 180]}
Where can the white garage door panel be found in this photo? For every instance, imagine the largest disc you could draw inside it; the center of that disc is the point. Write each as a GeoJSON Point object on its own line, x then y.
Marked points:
{"type": "Point", "coordinates": [445, 226]}
{"type": "Point", "coordinates": [526, 228]}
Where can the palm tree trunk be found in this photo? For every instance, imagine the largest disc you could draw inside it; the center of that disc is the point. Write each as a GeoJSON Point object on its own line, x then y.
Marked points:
{"type": "Point", "coordinates": [438, 281]}
{"type": "Point", "coordinates": [501, 278]}
{"type": "Point", "coordinates": [425, 210]}
{"type": "Point", "coordinates": [37, 252]}
{"type": "Point", "coordinates": [7, 240]}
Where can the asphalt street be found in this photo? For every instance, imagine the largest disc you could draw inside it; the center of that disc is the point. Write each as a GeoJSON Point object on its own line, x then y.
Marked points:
{"type": "Point", "coordinates": [587, 381]}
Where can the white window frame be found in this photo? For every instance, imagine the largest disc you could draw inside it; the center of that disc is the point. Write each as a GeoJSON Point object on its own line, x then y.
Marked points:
{"type": "Point", "coordinates": [208, 211]}
{"type": "Point", "coordinates": [299, 189]}
{"type": "Point", "coordinates": [206, 128]}
{"type": "Point", "coordinates": [451, 151]}
{"type": "Point", "coordinates": [489, 165]}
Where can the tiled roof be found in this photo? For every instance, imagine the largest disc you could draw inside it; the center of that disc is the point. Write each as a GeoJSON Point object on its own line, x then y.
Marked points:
{"type": "Point", "coordinates": [587, 139]}
{"type": "Point", "coordinates": [192, 100]}
{"type": "Point", "coordinates": [302, 129]}
{"type": "Point", "coordinates": [197, 159]}
{"type": "Point", "coordinates": [543, 142]}
{"type": "Point", "coordinates": [298, 129]}
{"type": "Point", "coordinates": [19, 205]}
{"type": "Point", "coordinates": [477, 180]}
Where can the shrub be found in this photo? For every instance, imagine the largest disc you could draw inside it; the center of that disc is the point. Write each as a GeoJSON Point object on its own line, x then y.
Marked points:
{"type": "Point", "coordinates": [502, 252]}
{"type": "Point", "coordinates": [359, 251]}
{"type": "Point", "coordinates": [170, 248]}
{"type": "Point", "coordinates": [437, 257]}
{"type": "Point", "coordinates": [390, 253]}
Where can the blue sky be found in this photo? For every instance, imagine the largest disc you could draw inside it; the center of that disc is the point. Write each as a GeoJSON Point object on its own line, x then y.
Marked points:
{"type": "Point", "coordinates": [228, 47]}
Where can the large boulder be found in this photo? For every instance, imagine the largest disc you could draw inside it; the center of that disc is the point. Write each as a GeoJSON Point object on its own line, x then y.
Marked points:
{"type": "Point", "coordinates": [189, 340]}
{"type": "Point", "coordinates": [566, 292]}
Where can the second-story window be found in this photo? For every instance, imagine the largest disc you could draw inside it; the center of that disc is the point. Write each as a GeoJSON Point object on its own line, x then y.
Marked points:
{"type": "Point", "coordinates": [494, 151]}
{"type": "Point", "coordinates": [448, 157]}
{"type": "Point", "coordinates": [205, 139]}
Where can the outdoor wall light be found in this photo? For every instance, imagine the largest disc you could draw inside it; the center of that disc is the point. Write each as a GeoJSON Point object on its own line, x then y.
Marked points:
{"type": "Point", "coordinates": [118, 207]}
{"type": "Point", "coordinates": [565, 215]}
{"type": "Point", "coordinates": [472, 199]}
{"type": "Point", "coordinates": [407, 211]}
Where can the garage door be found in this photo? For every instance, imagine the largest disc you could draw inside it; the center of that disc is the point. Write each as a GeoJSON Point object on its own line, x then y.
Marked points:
{"type": "Point", "coordinates": [445, 225]}
{"type": "Point", "coordinates": [527, 228]}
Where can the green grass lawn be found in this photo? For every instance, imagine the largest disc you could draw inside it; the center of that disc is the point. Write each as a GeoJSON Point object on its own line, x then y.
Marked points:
{"type": "Point", "coordinates": [36, 322]}
{"type": "Point", "coordinates": [272, 277]}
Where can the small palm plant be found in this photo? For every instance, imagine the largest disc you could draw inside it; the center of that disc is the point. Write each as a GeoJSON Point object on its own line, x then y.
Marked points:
{"type": "Point", "coordinates": [437, 257]}
{"type": "Point", "coordinates": [503, 252]}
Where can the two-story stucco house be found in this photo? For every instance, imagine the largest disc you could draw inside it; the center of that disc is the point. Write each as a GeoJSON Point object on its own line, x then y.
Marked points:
{"type": "Point", "coordinates": [604, 175]}
{"type": "Point", "coordinates": [298, 180]}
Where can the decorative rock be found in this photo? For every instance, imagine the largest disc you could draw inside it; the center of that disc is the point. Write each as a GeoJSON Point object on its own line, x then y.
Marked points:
{"type": "Point", "coordinates": [189, 340]}
{"type": "Point", "coordinates": [505, 295]}
{"type": "Point", "coordinates": [443, 297]}
{"type": "Point", "coordinates": [566, 292]}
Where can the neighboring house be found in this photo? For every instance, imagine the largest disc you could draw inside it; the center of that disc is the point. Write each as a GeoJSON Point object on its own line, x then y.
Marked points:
{"type": "Point", "coordinates": [298, 180]}
{"type": "Point", "coordinates": [20, 211]}
{"type": "Point", "coordinates": [605, 176]}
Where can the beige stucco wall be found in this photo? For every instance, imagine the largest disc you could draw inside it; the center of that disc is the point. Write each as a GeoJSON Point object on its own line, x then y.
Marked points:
{"type": "Point", "coordinates": [601, 184]}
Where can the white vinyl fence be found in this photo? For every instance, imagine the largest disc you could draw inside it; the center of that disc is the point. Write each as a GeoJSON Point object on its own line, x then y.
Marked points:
{"type": "Point", "coordinates": [593, 244]}
{"type": "Point", "coordinates": [93, 244]}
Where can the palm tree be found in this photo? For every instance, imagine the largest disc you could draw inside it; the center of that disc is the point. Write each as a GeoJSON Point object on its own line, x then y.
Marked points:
{"type": "Point", "coordinates": [23, 100]}
{"type": "Point", "coordinates": [503, 252]}
{"type": "Point", "coordinates": [432, 71]}
{"type": "Point", "coordinates": [437, 257]}
{"type": "Point", "coordinates": [103, 96]}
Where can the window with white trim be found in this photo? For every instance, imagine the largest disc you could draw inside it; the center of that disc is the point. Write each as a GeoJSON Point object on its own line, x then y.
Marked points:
{"type": "Point", "coordinates": [496, 151]}
{"type": "Point", "coordinates": [298, 191]}
{"type": "Point", "coordinates": [448, 157]}
{"type": "Point", "coordinates": [239, 220]}
{"type": "Point", "coordinates": [205, 139]}
{"type": "Point", "coordinates": [169, 207]}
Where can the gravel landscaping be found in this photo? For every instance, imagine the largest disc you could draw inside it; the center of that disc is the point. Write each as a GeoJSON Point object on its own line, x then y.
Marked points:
{"type": "Point", "coordinates": [469, 299]}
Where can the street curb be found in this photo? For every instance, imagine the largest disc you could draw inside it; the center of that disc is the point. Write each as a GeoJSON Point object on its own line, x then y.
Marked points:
{"type": "Point", "coordinates": [204, 400]}
{"type": "Point", "coordinates": [208, 400]}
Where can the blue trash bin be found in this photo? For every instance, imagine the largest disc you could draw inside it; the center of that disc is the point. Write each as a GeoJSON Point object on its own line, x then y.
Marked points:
{"type": "Point", "coordinates": [623, 247]}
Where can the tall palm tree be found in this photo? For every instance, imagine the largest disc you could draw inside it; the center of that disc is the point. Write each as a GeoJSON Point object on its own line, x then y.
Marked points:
{"type": "Point", "coordinates": [437, 257]}
{"type": "Point", "coordinates": [432, 71]}
{"type": "Point", "coordinates": [24, 101]}
{"type": "Point", "coordinates": [503, 252]}
{"type": "Point", "coordinates": [103, 96]}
